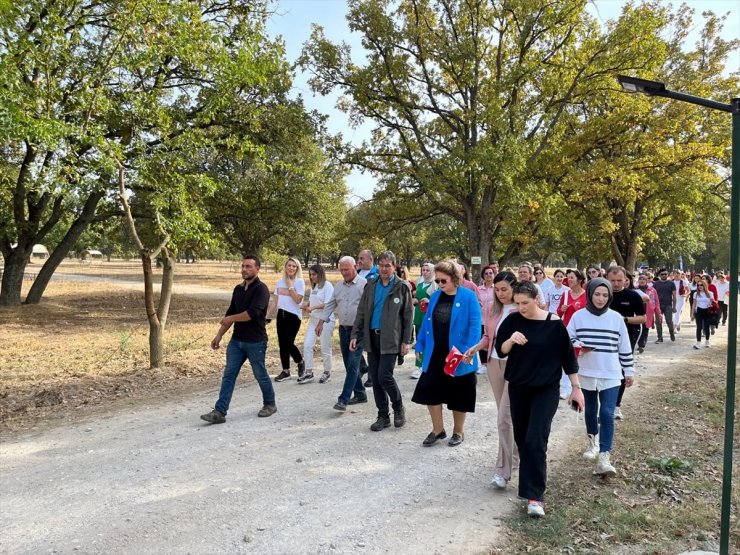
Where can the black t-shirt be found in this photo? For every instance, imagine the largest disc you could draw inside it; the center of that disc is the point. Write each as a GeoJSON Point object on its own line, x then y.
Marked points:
{"type": "Point", "coordinates": [547, 353]}
{"type": "Point", "coordinates": [665, 290]}
{"type": "Point", "coordinates": [254, 300]}
{"type": "Point", "coordinates": [629, 303]}
{"type": "Point", "coordinates": [441, 323]}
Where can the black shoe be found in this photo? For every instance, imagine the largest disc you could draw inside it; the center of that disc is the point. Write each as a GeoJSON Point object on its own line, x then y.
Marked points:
{"type": "Point", "coordinates": [341, 407]}
{"type": "Point", "coordinates": [640, 350]}
{"type": "Point", "coordinates": [658, 341]}
{"type": "Point", "coordinates": [301, 369]}
{"type": "Point", "coordinates": [357, 400]}
{"type": "Point", "coordinates": [282, 376]}
{"type": "Point", "coordinates": [455, 440]}
{"type": "Point", "coordinates": [432, 438]}
{"type": "Point", "coordinates": [380, 423]}
{"type": "Point", "coordinates": [673, 338]}
{"type": "Point", "coordinates": [214, 417]}
{"type": "Point", "coordinates": [267, 410]}
{"type": "Point", "coordinates": [399, 417]}
{"type": "Point", "coordinates": [368, 383]}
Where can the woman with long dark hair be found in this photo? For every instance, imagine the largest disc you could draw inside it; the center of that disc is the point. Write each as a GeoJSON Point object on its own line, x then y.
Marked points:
{"type": "Point", "coordinates": [320, 324]}
{"type": "Point", "coordinates": [503, 305]}
{"type": "Point", "coordinates": [702, 303]}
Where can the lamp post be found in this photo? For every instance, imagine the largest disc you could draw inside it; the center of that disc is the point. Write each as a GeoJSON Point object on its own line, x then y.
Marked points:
{"type": "Point", "coordinates": [655, 88]}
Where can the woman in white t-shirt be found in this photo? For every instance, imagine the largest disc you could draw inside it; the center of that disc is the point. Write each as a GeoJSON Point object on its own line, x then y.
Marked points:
{"type": "Point", "coordinates": [683, 288]}
{"type": "Point", "coordinates": [320, 323]}
{"type": "Point", "coordinates": [502, 306]}
{"type": "Point", "coordinates": [555, 293]}
{"type": "Point", "coordinates": [290, 289]}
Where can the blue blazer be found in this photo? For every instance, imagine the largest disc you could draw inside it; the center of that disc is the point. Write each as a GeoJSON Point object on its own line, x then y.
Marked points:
{"type": "Point", "coordinates": [465, 328]}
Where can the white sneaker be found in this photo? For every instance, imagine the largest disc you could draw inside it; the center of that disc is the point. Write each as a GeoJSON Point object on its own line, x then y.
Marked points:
{"type": "Point", "coordinates": [535, 509]}
{"type": "Point", "coordinates": [604, 467]}
{"type": "Point", "coordinates": [481, 370]}
{"type": "Point", "coordinates": [592, 451]}
{"type": "Point", "coordinates": [706, 344]}
{"type": "Point", "coordinates": [325, 377]}
{"type": "Point", "coordinates": [697, 345]}
{"type": "Point", "coordinates": [416, 374]}
{"type": "Point", "coordinates": [618, 413]}
{"type": "Point", "coordinates": [499, 481]}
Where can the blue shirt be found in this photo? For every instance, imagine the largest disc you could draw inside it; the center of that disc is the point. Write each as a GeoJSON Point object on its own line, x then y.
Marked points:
{"type": "Point", "coordinates": [381, 294]}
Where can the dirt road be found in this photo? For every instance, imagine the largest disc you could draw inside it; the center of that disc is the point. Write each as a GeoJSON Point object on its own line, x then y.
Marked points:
{"type": "Point", "coordinates": [306, 480]}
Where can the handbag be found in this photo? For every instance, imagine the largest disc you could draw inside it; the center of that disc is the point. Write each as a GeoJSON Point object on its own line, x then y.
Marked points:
{"type": "Point", "coordinates": [272, 307]}
{"type": "Point", "coordinates": [714, 308]}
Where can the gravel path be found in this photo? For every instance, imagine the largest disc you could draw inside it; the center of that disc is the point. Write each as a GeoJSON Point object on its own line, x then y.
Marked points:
{"type": "Point", "coordinates": [306, 480]}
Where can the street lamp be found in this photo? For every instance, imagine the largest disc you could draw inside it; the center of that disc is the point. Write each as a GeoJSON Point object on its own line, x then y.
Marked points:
{"type": "Point", "coordinates": [655, 88]}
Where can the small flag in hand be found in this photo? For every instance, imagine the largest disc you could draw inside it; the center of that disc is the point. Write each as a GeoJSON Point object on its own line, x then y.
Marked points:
{"type": "Point", "coordinates": [454, 358]}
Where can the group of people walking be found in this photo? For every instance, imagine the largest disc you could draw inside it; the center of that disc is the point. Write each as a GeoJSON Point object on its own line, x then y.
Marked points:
{"type": "Point", "coordinates": [538, 339]}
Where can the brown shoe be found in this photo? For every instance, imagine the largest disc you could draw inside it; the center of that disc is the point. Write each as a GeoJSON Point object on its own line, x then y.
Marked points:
{"type": "Point", "coordinates": [267, 410]}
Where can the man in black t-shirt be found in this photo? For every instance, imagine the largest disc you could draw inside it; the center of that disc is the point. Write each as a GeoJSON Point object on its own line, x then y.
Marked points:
{"type": "Point", "coordinates": [246, 313]}
{"type": "Point", "coordinates": [628, 303]}
{"type": "Point", "coordinates": [666, 290]}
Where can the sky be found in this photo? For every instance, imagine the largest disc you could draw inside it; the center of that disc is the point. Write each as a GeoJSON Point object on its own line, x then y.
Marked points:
{"type": "Point", "coordinates": [293, 19]}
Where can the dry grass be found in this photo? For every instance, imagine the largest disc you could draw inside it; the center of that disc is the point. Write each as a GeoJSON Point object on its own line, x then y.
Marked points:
{"type": "Point", "coordinates": [87, 344]}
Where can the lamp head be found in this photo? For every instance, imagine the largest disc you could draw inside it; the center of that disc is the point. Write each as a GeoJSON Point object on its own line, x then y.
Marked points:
{"type": "Point", "coordinates": [633, 84]}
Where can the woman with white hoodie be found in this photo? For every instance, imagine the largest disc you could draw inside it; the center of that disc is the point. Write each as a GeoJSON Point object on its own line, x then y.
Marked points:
{"type": "Point", "coordinates": [605, 351]}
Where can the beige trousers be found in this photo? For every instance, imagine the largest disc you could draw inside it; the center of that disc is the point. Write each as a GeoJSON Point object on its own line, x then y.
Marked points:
{"type": "Point", "coordinates": [508, 455]}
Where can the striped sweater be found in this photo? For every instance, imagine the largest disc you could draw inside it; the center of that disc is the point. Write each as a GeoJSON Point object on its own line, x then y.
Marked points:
{"type": "Point", "coordinates": [608, 337]}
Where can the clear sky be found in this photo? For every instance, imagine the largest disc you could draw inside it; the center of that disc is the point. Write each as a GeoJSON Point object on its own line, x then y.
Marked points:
{"type": "Point", "coordinates": [294, 18]}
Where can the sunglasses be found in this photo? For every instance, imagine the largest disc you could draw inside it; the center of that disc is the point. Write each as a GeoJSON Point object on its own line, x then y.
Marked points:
{"type": "Point", "coordinates": [441, 281]}
{"type": "Point", "coordinates": [487, 273]}
{"type": "Point", "coordinates": [663, 275]}
{"type": "Point", "coordinates": [538, 272]}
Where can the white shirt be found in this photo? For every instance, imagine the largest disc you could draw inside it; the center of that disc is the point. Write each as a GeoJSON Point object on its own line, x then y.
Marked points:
{"type": "Point", "coordinates": [553, 297]}
{"type": "Point", "coordinates": [723, 290]}
{"type": "Point", "coordinates": [285, 301]}
{"type": "Point", "coordinates": [322, 296]}
{"type": "Point", "coordinates": [508, 309]}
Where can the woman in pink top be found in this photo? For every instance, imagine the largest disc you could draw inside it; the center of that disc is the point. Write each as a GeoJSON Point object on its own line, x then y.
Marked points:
{"type": "Point", "coordinates": [485, 297]}
{"type": "Point", "coordinates": [502, 306]}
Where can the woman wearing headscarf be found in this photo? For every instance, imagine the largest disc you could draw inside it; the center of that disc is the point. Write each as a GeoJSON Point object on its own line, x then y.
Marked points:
{"type": "Point", "coordinates": [425, 286]}
{"type": "Point", "coordinates": [606, 352]}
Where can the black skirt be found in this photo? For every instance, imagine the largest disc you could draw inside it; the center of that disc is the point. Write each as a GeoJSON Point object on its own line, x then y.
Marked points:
{"type": "Point", "coordinates": [437, 388]}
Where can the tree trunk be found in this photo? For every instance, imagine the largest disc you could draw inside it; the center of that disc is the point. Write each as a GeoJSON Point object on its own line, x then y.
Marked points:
{"type": "Point", "coordinates": [15, 266]}
{"type": "Point", "coordinates": [81, 223]}
{"type": "Point", "coordinates": [157, 318]}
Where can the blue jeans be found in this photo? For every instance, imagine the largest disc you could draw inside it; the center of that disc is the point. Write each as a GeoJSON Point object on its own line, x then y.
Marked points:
{"type": "Point", "coordinates": [352, 381]}
{"type": "Point", "coordinates": [237, 353]}
{"type": "Point", "coordinates": [599, 415]}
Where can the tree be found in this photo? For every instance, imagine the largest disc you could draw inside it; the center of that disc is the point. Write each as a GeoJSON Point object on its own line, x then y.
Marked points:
{"type": "Point", "coordinates": [637, 170]}
{"type": "Point", "coordinates": [466, 97]}
{"type": "Point", "coordinates": [288, 193]}
{"type": "Point", "coordinates": [84, 82]}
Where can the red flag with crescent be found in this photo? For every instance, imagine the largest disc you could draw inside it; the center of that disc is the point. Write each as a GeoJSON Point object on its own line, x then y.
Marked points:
{"type": "Point", "coordinates": [454, 358]}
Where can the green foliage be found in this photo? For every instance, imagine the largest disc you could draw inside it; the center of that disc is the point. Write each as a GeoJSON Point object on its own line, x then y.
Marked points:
{"type": "Point", "coordinates": [148, 83]}
{"type": "Point", "coordinates": [671, 465]}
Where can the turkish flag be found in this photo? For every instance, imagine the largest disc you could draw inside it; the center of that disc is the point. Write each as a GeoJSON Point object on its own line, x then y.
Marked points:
{"type": "Point", "coordinates": [454, 358]}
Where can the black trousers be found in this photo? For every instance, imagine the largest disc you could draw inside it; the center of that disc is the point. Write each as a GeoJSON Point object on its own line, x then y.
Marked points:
{"type": "Point", "coordinates": [532, 411]}
{"type": "Point", "coordinates": [723, 306]}
{"type": "Point", "coordinates": [288, 325]}
{"type": "Point", "coordinates": [634, 336]}
{"type": "Point", "coordinates": [703, 320]}
{"type": "Point", "coordinates": [380, 368]}
{"type": "Point", "coordinates": [483, 353]}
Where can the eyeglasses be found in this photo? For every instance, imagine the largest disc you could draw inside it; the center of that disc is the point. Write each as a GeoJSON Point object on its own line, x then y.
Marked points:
{"type": "Point", "coordinates": [441, 281]}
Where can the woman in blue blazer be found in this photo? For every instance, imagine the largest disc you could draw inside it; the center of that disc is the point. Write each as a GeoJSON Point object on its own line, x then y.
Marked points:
{"type": "Point", "coordinates": [453, 319]}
